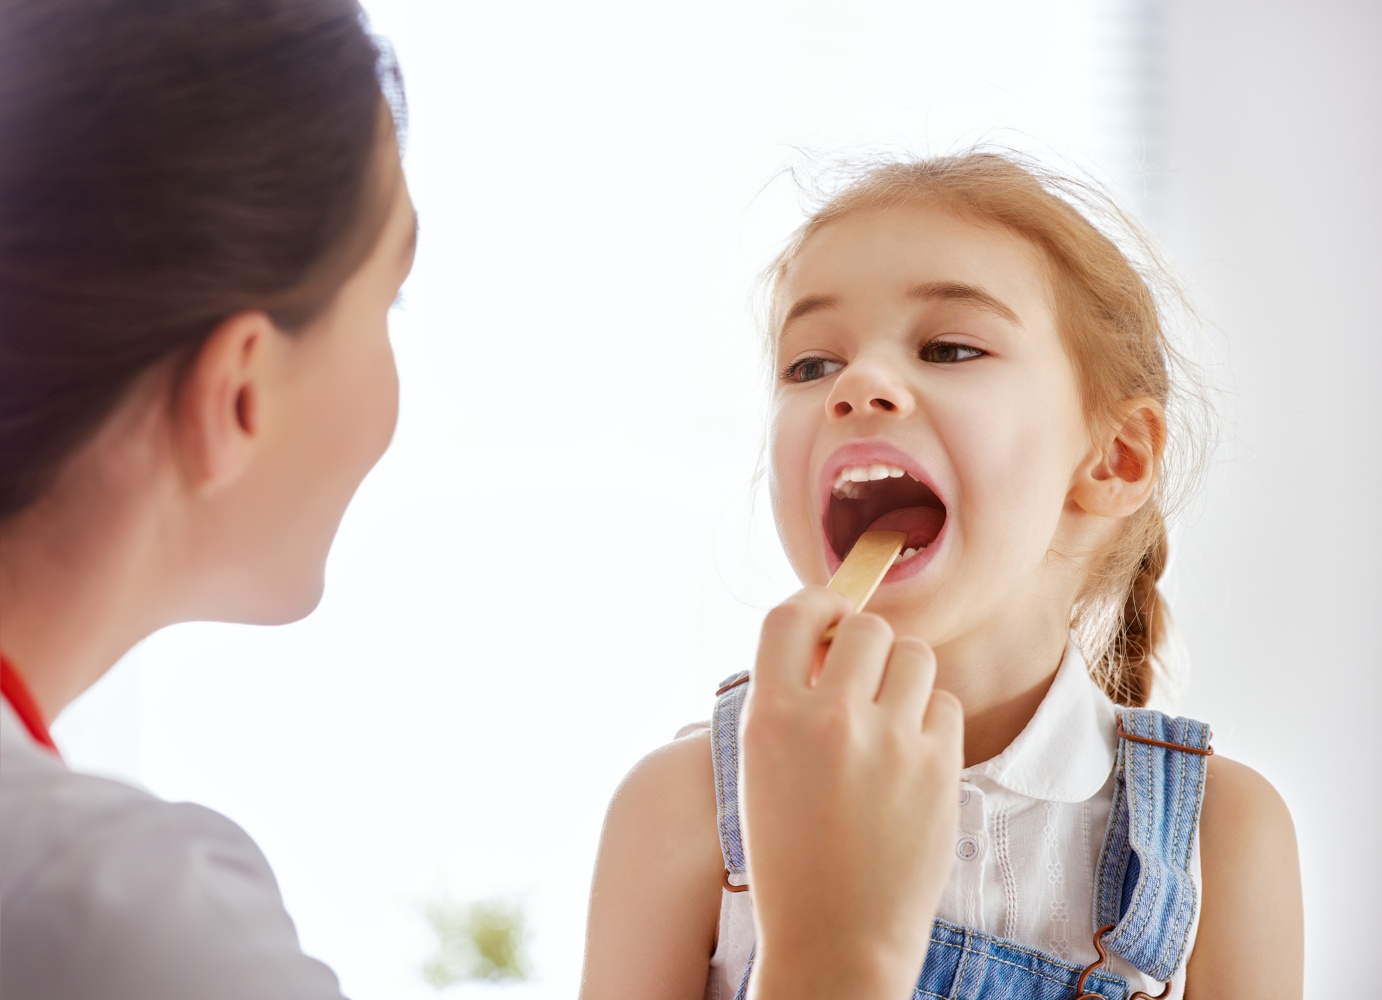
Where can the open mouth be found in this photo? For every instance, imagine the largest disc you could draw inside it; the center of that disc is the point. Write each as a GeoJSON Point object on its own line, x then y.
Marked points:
{"type": "Point", "coordinates": [879, 497]}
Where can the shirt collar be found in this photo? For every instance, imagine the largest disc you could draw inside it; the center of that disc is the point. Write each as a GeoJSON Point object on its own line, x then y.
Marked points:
{"type": "Point", "coordinates": [1068, 749]}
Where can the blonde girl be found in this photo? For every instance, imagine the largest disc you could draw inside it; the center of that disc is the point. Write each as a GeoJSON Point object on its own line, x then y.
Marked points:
{"type": "Point", "coordinates": [962, 355]}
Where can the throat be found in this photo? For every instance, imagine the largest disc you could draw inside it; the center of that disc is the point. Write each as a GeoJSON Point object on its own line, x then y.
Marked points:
{"type": "Point", "coordinates": [1001, 676]}
{"type": "Point", "coordinates": [894, 503]}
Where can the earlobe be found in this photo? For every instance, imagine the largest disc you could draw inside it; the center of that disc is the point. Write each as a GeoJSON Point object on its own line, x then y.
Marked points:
{"type": "Point", "coordinates": [1118, 475]}
{"type": "Point", "coordinates": [220, 402]}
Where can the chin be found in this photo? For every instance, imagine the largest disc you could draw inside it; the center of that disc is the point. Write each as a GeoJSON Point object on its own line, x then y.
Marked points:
{"type": "Point", "coordinates": [280, 603]}
{"type": "Point", "coordinates": [303, 603]}
{"type": "Point", "coordinates": [906, 617]}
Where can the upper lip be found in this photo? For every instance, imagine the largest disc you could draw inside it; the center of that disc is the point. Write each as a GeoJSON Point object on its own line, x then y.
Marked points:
{"type": "Point", "coordinates": [869, 452]}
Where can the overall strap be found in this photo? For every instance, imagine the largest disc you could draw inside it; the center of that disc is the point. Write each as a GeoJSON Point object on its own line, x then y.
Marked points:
{"type": "Point", "coordinates": [743, 991]}
{"type": "Point", "coordinates": [724, 737]}
{"type": "Point", "coordinates": [1144, 887]}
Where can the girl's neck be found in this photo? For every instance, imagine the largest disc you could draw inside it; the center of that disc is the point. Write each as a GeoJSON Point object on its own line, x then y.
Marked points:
{"type": "Point", "coordinates": [1000, 678]}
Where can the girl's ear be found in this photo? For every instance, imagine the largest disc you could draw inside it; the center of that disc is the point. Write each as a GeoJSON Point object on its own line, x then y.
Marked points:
{"type": "Point", "coordinates": [1118, 475]}
{"type": "Point", "coordinates": [220, 402]}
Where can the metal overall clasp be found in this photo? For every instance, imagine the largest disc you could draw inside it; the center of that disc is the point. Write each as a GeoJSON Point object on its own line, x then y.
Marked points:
{"type": "Point", "coordinates": [1080, 994]}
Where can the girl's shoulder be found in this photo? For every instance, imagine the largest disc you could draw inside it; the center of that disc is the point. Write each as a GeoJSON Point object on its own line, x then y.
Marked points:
{"type": "Point", "coordinates": [655, 901]}
{"type": "Point", "coordinates": [1251, 936]}
{"type": "Point", "coordinates": [663, 815]}
{"type": "Point", "coordinates": [1245, 829]}
{"type": "Point", "coordinates": [671, 789]}
{"type": "Point", "coordinates": [1243, 804]}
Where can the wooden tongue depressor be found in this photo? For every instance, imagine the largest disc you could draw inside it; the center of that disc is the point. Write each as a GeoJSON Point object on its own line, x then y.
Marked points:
{"type": "Point", "coordinates": [864, 568]}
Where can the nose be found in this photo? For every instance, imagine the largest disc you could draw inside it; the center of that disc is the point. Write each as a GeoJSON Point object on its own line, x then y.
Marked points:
{"type": "Point", "coordinates": [869, 387]}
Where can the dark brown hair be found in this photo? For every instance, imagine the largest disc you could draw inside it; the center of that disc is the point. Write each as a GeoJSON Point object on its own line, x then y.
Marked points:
{"type": "Point", "coordinates": [165, 164]}
{"type": "Point", "coordinates": [1113, 296]}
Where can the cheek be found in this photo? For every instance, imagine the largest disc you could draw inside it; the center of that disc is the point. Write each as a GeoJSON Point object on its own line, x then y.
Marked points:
{"type": "Point", "coordinates": [385, 390]}
{"type": "Point", "coordinates": [366, 402]}
{"type": "Point", "coordinates": [791, 436]}
{"type": "Point", "coordinates": [339, 424]}
{"type": "Point", "coordinates": [352, 415]}
{"type": "Point", "coordinates": [789, 460]}
{"type": "Point", "coordinates": [1020, 448]}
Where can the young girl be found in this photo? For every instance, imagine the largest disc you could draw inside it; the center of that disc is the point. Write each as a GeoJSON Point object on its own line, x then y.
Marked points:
{"type": "Point", "coordinates": [961, 355]}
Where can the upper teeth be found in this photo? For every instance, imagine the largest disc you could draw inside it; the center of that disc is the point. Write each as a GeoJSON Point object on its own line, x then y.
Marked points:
{"type": "Point", "coordinates": [845, 487]}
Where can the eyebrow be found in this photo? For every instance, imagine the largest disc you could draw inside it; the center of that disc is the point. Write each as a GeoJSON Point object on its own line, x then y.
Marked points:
{"type": "Point", "coordinates": [958, 291]}
{"type": "Point", "coordinates": [808, 305]}
{"type": "Point", "coordinates": [950, 291]}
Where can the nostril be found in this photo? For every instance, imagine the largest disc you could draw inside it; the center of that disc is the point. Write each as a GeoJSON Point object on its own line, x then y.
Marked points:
{"type": "Point", "coordinates": [883, 404]}
{"type": "Point", "coordinates": [842, 408]}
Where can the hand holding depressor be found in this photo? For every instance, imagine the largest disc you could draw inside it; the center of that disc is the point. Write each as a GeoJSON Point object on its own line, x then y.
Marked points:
{"type": "Point", "coordinates": [850, 802]}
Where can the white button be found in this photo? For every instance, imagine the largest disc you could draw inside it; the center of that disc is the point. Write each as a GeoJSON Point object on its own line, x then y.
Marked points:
{"type": "Point", "coordinates": [967, 849]}
{"type": "Point", "coordinates": [965, 796]}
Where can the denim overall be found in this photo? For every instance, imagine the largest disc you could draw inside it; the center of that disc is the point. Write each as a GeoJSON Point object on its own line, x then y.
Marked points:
{"type": "Point", "coordinates": [1144, 898]}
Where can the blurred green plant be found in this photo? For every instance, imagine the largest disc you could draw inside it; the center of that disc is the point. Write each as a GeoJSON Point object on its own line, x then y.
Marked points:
{"type": "Point", "coordinates": [480, 941]}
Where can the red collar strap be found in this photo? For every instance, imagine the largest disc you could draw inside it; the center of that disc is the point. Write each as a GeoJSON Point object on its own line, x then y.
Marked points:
{"type": "Point", "coordinates": [16, 692]}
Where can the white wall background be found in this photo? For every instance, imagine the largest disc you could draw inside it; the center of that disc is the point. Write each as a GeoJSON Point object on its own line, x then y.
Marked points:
{"type": "Point", "coordinates": [1272, 116]}
{"type": "Point", "coordinates": [559, 556]}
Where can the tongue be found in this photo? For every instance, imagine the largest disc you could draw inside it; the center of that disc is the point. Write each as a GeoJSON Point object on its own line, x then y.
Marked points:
{"type": "Point", "coordinates": [921, 524]}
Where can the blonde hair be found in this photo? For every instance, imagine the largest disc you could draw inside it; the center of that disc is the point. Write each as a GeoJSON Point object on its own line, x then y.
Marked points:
{"type": "Point", "coordinates": [1114, 299]}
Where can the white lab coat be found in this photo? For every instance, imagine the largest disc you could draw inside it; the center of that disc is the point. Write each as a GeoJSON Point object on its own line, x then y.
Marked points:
{"type": "Point", "coordinates": [108, 893]}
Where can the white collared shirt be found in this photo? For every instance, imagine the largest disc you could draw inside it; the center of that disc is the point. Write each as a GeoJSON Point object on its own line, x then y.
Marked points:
{"type": "Point", "coordinates": [1032, 821]}
{"type": "Point", "coordinates": [107, 891]}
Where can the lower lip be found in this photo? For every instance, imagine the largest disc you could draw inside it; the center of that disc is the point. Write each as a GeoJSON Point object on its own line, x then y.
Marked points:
{"type": "Point", "coordinates": [899, 571]}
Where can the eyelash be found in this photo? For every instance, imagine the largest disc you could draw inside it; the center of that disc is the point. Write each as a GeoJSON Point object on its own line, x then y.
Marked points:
{"type": "Point", "coordinates": [951, 345]}
{"type": "Point", "coordinates": [789, 372]}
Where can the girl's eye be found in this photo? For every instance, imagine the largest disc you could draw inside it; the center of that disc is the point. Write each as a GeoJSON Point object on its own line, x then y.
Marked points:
{"type": "Point", "coordinates": [810, 369]}
{"type": "Point", "coordinates": [943, 352]}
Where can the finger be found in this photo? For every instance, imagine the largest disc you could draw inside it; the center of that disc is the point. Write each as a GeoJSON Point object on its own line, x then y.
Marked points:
{"type": "Point", "coordinates": [858, 655]}
{"type": "Point", "coordinates": [945, 721]}
{"type": "Point", "coordinates": [911, 674]}
{"type": "Point", "coordinates": [790, 641]}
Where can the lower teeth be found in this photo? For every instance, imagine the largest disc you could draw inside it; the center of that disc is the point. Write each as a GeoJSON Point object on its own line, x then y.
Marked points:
{"type": "Point", "coordinates": [906, 554]}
